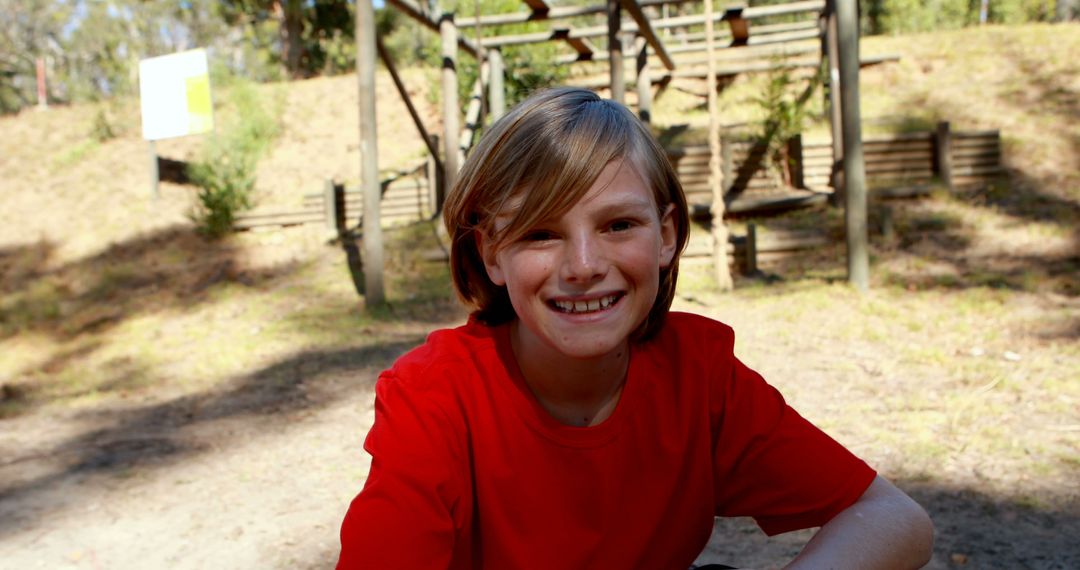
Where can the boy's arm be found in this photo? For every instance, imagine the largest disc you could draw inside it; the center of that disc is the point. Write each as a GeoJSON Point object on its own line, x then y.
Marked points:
{"type": "Point", "coordinates": [883, 529]}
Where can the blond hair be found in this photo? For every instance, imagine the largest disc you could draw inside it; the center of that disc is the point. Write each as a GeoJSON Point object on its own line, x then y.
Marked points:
{"type": "Point", "coordinates": [546, 153]}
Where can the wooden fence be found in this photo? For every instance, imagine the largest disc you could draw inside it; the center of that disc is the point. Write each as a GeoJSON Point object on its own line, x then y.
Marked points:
{"type": "Point", "coordinates": [904, 161]}
{"type": "Point", "coordinates": [894, 161]}
{"type": "Point", "coordinates": [407, 197]}
{"type": "Point", "coordinates": [896, 165]}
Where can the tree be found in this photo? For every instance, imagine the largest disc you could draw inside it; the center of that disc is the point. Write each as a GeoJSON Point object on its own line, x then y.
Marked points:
{"type": "Point", "coordinates": [308, 33]}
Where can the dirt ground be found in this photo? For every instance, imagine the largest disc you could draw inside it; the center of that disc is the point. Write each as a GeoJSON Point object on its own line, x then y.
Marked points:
{"type": "Point", "coordinates": [175, 403]}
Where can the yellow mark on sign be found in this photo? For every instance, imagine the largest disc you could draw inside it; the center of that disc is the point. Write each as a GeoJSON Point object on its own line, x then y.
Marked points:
{"type": "Point", "coordinates": [199, 107]}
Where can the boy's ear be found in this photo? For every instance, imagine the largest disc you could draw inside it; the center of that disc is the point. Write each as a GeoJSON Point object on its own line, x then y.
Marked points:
{"type": "Point", "coordinates": [486, 247]}
{"type": "Point", "coordinates": [668, 236]}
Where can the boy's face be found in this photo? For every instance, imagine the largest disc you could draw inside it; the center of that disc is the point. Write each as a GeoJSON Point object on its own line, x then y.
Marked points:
{"type": "Point", "coordinates": [582, 282]}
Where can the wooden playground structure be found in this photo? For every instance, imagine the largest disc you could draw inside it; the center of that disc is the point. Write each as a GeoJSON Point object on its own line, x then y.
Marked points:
{"type": "Point", "coordinates": [724, 176]}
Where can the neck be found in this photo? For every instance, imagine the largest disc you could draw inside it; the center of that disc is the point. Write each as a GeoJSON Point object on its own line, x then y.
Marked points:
{"type": "Point", "coordinates": [574, 391]}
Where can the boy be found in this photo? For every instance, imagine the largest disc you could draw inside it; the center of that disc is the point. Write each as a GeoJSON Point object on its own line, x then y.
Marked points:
{"type": "Point", "coordinates": [574, 422]}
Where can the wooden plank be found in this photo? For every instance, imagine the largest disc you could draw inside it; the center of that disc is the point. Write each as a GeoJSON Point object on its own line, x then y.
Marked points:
{"type": "Point", "coordinates": [920, 136]}
{"type": "Point", "coordinates": [276, 214]}
{"type": "Point", "coordinates": [901, 154]}
{"type": "Point", "coordinates": [979, 171]}
{"type": "Point", "coordinates": [972, 162]}
{"type": "Point", "coordinates": [411, 9]}
{"type": "Point", "coordinates": [646, 30]}
{"type": "Point", "coordinates": [976, 152]}
{"type": "Point", "coordinates": [763, 29]}
{"type": "Point", "coordinates": [882, 172]}
{"type": "Point", "coordinates": [745, 205]}
{"type": "Point", "coordinates": [739, 26]}
{"type": "Point", "coordinates": [616, 79]}
{"type": "Point", "coordinates": [990, 134]}
{"type": "Point", "coordinates": [885, 163]}
{"type": "Point", "coordinates": [537, 5]}
{"type": "Point", "coordinates": [583, 47]}
{"type": "Point", "coordinates": [783, 37]}
{"type": "Point", "coordinates": [976, 143]}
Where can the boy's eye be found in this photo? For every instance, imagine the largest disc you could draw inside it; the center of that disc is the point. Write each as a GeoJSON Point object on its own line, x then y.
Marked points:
{"type": "Point", "coordinates": [538, 235]}
{"type": "Point", "coordinates": [621, 225]}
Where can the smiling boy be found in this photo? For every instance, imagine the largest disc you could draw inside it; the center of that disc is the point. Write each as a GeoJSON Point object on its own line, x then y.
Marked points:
{"type": "Point", "coordinates": [573, 422]}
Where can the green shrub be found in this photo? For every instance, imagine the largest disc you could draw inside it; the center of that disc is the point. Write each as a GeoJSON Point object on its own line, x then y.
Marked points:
{"type": "Point", "coordinates": [225, 171]}
{"type": "Point", "coordinates": [102, 129]}
{"type": "Point", "coordinates": [785, 111]}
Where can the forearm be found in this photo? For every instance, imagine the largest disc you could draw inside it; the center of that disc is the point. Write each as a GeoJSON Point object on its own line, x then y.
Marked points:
{"type": "Point", "coordinates": [883, 529]}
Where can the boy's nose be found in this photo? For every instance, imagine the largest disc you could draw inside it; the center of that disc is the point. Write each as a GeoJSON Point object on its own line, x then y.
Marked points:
{"type": "Point", "coordinates": [584, 261]}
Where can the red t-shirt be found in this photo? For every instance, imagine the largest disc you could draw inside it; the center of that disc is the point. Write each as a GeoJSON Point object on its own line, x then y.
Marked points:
{"type": "Point", "coordinates": [468, 471]}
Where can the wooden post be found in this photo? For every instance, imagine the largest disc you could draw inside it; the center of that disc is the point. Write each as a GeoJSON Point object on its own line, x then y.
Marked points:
{"type": "Point", "coordinates": [451, 122]}
{"type": "Point", "coordinates": [751, 249]}
{"type": "Point", "coordinates": [795, 161]}
{"type": "Point", "coordinates": [716, 177]}
{"type": "Point", "coordinates": [644, 82]}
{"type": "Point", "coordinates": [497, 90]}
{"type": "Point", "coordinates": [943, 153]}
{"type": "Point", "coordinates": [858, 255]}
{"type": "Point", "coordinates": [404, 93]}
{"type": "Point", "coordinates": [615, 48]}
{"type": "Point", "coordinates": [473, 114]}
{"type": "Point", "coordinates": [330, 205]}
{"type": "Point", "coordinates": [832, 48]}
{"type": "Point", "coordinates": [436, 192]}
{"type": "Point", "coordinates": [369, 158]}
{"type": "Point", "coordinates": [155, 176]}
{"type": "Point", "coordinates": [42, 91]}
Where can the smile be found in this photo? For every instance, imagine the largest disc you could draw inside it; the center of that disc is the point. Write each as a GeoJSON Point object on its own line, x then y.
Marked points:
{"type": "Point", "coordinates": [592, 305]}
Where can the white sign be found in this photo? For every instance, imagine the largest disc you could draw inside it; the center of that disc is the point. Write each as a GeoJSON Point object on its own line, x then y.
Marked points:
{"type": "Point", "coordinates": [175, 95]}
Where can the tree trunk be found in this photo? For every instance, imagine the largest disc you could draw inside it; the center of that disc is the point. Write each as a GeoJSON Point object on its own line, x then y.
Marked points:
{"type": "Point", "coordinates": [290, 16]}
{"type": "Point", "coordinates": [1067, 10]}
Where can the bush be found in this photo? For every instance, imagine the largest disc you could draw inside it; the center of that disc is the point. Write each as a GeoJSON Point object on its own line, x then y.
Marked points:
{"type": "Point", "coordinates": [785, 111]}
{"type": "Point", "coordinates": [225, 171]}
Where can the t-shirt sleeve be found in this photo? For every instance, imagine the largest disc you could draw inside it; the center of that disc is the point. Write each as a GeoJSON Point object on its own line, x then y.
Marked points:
{"type": "Point", "coordinates": [771, 463]}
{"type": "Point", "coordinates": [407, 514]}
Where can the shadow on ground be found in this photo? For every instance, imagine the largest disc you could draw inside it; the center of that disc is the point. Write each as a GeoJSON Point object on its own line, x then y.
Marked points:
{"type": "Point", "coordinates": [1023, 537]}
{"type": "Point", "coordinates": [152, 436]}
{"type": "Point", "coordinates": [167, 269]}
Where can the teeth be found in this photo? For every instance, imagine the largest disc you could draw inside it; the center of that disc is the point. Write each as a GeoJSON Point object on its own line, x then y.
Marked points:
{"type": "Point", "coordinates": [586, 306]}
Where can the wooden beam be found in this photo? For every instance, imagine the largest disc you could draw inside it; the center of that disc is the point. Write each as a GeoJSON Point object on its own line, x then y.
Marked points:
{"type": "Point", "coordinates": [536, 5]}
{"type": "Point", "coordinates": [725, 35]}
{"type": "Point", "coordinates": [740, 27]}
{"type": "Point", "coordinates": [716, 179]}
{"type": "Point", "coordinates": [369, 158]}
{"type": "Point", "coordinates": [855, 224]}
{"type": "Point", "coordinates": [411, 9]}
{"type": "Point", "coordinates": [744, 52]}
{"type": "Point", "coordinates": [451, 129]}
{"type": "Point", "coordinates": [784, 37]}
{"type": "Point", "coordinates": [553, 13]}
{"type": "Point", "coordinates": [832, 53]}
{"type": "Point", "coordinates": [497, 91]}
{"type": "Point", "coordinates": [388, 61]}
{"type": "Point", "coordinates": [582, 46]}
{"type": "Point", "coordinates": [644, 83]}
{"type": "Point", "coordinates": [474, 112]}
{"type": "Point", "coordinates": [659, 75]}
{"type": "Point", "coordinates": [615, 51]}
{"type": "Point", "coordinates": [749, 13]}
{"type": "Point", "coordinates": [647, 32]}
{"type": "Point", "coordinates": [599, 31]}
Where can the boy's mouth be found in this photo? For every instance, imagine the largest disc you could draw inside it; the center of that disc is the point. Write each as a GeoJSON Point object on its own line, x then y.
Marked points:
{"type": "Point", "coordinates": [585, 306]}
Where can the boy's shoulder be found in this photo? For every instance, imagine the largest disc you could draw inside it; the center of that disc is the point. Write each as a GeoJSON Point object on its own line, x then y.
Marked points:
{"type": "Point", "coordinates": [693, 328]}
{"type": "Point", "coordinates": [444, 357]}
